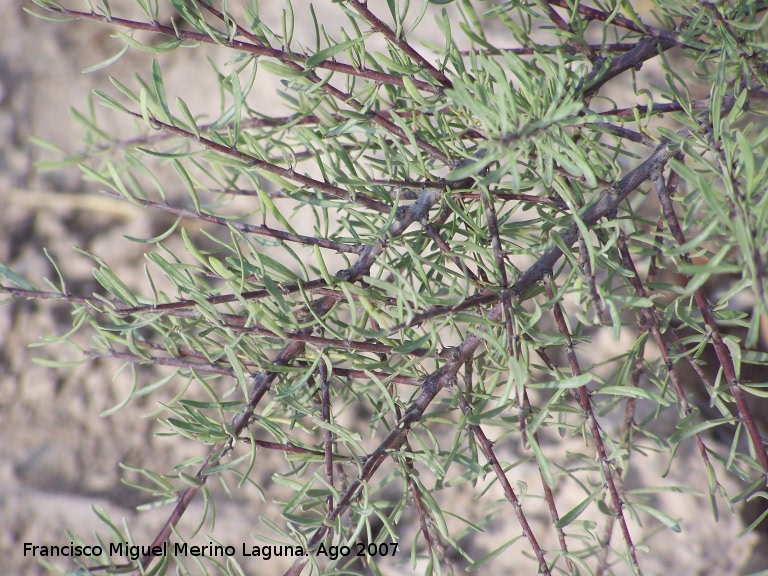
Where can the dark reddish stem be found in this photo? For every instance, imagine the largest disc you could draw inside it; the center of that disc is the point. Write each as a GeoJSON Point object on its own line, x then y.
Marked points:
{"type": "Point", "coordinates": [651, 321]}
{"type": "Point", "coordinates": [261, 384]}
{"type": "Point", "coordinates": [257, 49]}
{"type": "Point", "coordinates": [328, 441]}
{"type": "Point", "coordinates": [578, 43]}
{"type": "Point", "coordinates": [617, 20]}
{"type": "Point", "coordinates": [661, 108]}
{"type": "Point", "coordinates": [362, 9]}
{"type": "Point", "coordinates": [350, 100]}
{"type": "Point", "coordinates": [563, 48]}
{"type": "Point", "coordinates": [594, 427]}
{"type": "Point", "coordinates": [487, 447]}
{"type": "Point", "coordinates": [328, 190]}
{"type": "Point", "coordinates": [721, 350]}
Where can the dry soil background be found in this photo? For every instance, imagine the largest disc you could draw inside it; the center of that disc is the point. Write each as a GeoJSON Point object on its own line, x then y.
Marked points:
{"type": "Point", "coordinates": [58, 457]}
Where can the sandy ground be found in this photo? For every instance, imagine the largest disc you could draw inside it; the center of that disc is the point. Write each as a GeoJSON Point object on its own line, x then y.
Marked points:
{"type": "Point", "coordinates": [58, 457]}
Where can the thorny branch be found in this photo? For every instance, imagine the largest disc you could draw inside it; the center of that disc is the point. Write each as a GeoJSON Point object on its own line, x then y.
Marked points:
{"type": "Point", "coordinates": [257, 49]}
{"type": "Point", "coordinates": [723, 354]}
{"type": "Point", "coordinates": [605, 205]}
{"type": "Point", "coordinates": [594, 427]}
{"type": "Point", "coordinates": [327, 190]}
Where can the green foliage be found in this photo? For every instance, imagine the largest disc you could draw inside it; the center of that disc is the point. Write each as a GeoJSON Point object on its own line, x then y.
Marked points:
{"type": "Point", "coordinates": [436, 234]}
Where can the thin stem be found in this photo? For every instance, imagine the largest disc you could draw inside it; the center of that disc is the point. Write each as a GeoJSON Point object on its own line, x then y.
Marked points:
{"type": "Point", "coordinates": [351, 101]}
{"type": "Point", "coordinates": [257, 49]}
{"type": "Point", "coordinates": [617, 20]}
{"type": "Point", "coordinates": [289, 448]}
{"type": "Point", "coordinates": [632, 60]}
{"type": "Point", "coordinates": [487, 447]}
{"type": "Point", "coordinates": [541, 48]}
{"type": "Point", "coordinates": [260, 230]}
{"type": "Point", "coordinates": [594, 427]}
{"type": "Point", "coordinates": [652, 323]}
{"type": "Point", "coordinates": [327, 190]}
{"type": "Point", "coordinates": [328, 440]}
{"type": "Point", "coordinates": [577, 43]}
{"type": "Point", "coordinates": [362, 9]}
{"type": "Point", "coordinates": [661, 108]}
{"type": "Point", "coordinates": [203, 365]}
{"type": "Point", "coordinates": [623, 133]}
{"type": "Point", "coordinates": [721, 349]}
{"type": "Point", "coordinates": [608, 203]}
{"type": "Point", "coordinates": [522, 399]}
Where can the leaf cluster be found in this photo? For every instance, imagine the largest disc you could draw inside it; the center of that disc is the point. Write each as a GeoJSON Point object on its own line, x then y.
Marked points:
{"type": "Point", "coordinates": [399, 281]}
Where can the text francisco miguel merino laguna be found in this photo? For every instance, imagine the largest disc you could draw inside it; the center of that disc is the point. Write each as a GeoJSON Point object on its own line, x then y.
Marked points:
{"type": "Point", "coordinates": [135, 552]}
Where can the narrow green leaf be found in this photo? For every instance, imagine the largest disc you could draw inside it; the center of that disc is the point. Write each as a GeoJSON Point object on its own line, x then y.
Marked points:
{"type": "Point", "coordinates": [110, 102]}
{"type": "Point", "coordinates": [633, 392]}
{"type": "Point", "coordinates": [15, 278]}
{"type": "Point", "coordinates": [271, 208]}
{"type": "Point", "coordinates": [483, 560]}
{"type": "Point", "coordinates": [412, 345]}
{"type": "Point", "coordinates": [544, 468]}
{"type": "Point", "coordinates": [114, 285]}
{"type": "Point", "coordinates": [108, 62]}
{"type": "Point", "coordinates": [157, 81]}
{"type": "Point", "coordinates": [574, 382]}
{"type": "Point", "coordinates": [151, 48]}
{"type": "Point", "coordinates": [237, 105]}
{"type": "Point", "coordinates": [331, 51]}
{"type": "Point", "coordinates": [689, 431]}
{"type": "Point", "coordinates": [280, 70]}
{"type": "Point", "coordinates": [575, 512]}
{"type": "Point", "coordinates": [188, 117]}
{"type": "Point", "coordinates": [659, 515]}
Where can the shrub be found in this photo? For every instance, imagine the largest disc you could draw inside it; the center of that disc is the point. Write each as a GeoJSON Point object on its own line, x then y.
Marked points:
{"type": "Point", "coordinates": [406, 284]}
